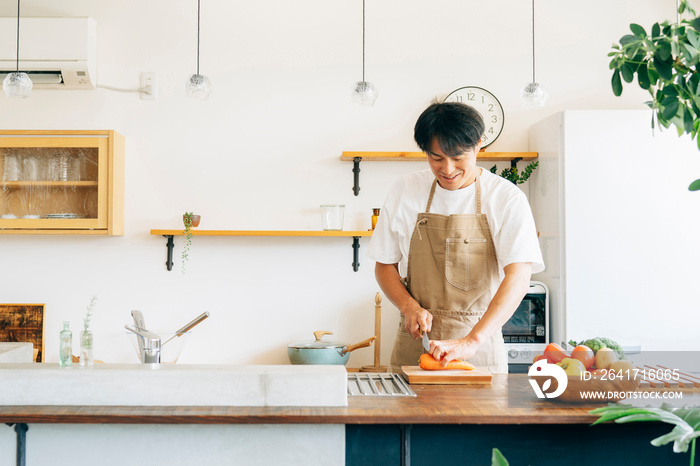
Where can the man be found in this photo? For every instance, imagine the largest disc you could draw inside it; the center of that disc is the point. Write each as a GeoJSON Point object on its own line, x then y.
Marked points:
{"type": "Point", "coordinates": [455, 246]}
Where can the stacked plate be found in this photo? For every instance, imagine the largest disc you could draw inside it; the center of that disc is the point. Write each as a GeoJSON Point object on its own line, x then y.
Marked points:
{"type": "Point", "coordinates": [61, 216]}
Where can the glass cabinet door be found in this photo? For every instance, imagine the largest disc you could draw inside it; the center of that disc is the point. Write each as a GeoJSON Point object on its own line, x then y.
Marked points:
{"type": "Point", "coordinates": [54, 182]}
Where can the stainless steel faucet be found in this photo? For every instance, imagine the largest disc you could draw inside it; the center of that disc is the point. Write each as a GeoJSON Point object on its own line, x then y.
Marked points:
{"type": "Point", "coordinates": [149, 345]}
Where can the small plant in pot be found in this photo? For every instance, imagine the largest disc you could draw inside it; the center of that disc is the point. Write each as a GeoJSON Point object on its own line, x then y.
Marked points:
{"type": "Point", "coordinates": [191, 221]}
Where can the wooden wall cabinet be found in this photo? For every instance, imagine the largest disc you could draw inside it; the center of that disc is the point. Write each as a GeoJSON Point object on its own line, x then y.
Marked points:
{"type": "Point", "coordinates": [61, 182]}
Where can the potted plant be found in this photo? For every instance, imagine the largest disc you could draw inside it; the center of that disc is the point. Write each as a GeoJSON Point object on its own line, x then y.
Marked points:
{"type": "Point", "coordinates": [511, 173]}
{"type": "Point", "coordinates": [191, 221]}
{"type": "Point", "coordinates": [86, 338]}
{"type": "Point", "coordinates": [666, 64]}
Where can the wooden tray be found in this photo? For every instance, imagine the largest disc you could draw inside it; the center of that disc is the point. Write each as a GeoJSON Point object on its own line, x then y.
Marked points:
{"type": "Point", "coordinates": [415, 374]}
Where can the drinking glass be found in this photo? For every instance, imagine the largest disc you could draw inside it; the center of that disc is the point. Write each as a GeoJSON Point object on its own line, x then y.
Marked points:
{"type": "Point", "coordinates": [332, 216]}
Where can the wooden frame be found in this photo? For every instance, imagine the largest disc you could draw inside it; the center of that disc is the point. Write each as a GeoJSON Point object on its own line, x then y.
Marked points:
{"type": "Point", "coordinates": [23, 323]}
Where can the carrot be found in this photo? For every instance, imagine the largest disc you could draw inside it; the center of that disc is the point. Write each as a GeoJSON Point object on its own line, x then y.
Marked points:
{"type": "Point", "coordinates": [428, 362]}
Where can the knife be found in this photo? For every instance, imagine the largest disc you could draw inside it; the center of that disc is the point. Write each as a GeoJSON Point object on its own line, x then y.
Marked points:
{"type": "Point", "coordinates": [426, 341]}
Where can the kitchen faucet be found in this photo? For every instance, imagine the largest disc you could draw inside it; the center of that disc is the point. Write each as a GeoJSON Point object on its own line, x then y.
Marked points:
{"type": "Point", "coordinates": [149, 345]}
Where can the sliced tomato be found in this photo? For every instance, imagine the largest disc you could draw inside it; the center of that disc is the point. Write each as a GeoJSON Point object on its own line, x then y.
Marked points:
{"type": "Point", "coordinates": [584, 354]}
{"type": "Point", "coordinates": [555, 353]}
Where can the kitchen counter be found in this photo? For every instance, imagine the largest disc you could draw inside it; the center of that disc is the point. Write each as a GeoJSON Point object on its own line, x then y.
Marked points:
{"type": "Point", "coordinates": [444, 424]}
{"type": "Point", "coordinates": [435, 404]}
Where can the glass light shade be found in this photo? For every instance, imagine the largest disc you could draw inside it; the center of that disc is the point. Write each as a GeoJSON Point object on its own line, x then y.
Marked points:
{"type": "Point", "coordinates": [198, 87]}
{"type": "Point", "coordinates": [17, 85]}
{"type": "Point", "coordinates": [364, 93]}
{"type": "Point", "coordinates": [533, 95]}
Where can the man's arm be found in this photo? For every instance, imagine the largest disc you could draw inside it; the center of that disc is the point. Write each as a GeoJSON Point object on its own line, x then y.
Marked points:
{"type": "Point", "coordinates": [508, 297]}
{"type": "Point", "coordinates": [389, 281]}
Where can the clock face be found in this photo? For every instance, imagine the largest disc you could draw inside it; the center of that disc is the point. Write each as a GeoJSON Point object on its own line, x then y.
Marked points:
{"type": "Point", "coordinates": [485, 103]}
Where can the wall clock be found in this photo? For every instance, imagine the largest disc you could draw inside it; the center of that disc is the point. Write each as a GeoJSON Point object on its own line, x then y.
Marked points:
{"type": "Point", "coordinates": [485, 103]}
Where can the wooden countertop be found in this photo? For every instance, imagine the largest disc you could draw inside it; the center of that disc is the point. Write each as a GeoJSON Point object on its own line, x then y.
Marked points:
{"type": "Point", "coordinates": [508, 400]}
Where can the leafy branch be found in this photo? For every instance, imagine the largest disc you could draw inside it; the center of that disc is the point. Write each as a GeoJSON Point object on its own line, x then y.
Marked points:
{"type": "Point", "coordinates": [88, 315]}
{"type": "Point", "coordinates": [686, 421]}
{"type": "Point", "coordinates": [666, 64]}
{"type": "Point", "coordinates": [187, 220]}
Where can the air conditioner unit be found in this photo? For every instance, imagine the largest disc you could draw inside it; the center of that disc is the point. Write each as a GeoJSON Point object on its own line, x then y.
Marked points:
{"type": "Point", "coordinates": [57, 53]}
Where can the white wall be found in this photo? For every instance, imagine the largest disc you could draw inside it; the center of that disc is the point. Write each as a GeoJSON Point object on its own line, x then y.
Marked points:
{"type": "Point", "coordinates": [263, 152]}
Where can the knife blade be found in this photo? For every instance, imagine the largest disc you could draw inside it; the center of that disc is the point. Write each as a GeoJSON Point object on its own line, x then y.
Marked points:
{"type": "Point", "coordinates": [426, 341]}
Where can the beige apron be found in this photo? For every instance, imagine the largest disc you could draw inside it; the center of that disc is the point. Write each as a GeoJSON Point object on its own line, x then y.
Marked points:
{"type": "Point", "coordinates": [453, 273]}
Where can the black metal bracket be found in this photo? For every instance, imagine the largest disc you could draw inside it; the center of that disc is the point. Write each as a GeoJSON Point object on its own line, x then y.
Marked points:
{"type": "Point", "coordinates": [21, 430]}
{"type": "Point", "coordinates": [514, 162]}
{"type": "Point", "coordinates": [356, 170]}
{"type": "Point", "coordinates": [405, 444]}
{"type": "Point", "coordinates": [355, 253]}
{"type": "Point", "coordinates": [170, 244]}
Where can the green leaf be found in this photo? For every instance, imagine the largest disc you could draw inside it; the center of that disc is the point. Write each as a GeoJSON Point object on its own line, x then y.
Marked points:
{"type": "Point", "coordinates": [655, 30]}
{"type": "Point", "coordinates": [628, 39]}
{"type": "Point", "coordinates": [664, 50]}
{"type": "Point", "coordinates": [695, 185]}
{"type": "Point", "coordinates": [693, 38]}
{"type": "Point", "coordinates": [687, 121]}
{"type": "Point", "coordinates": [695, 23]}
{"type": "Point", "coordinates": [616, 83]}
{"type": "Point", "coordinates": [670, 110]}
{"type": "Point", "coordinates": [627, 72]}
{"type": "Point", "coordinates": [643, 76]}
{"type": "Point", "coordinates": [663, 67]}
{"type": "Point", "coordinates": [638, 31]}
{"type": "Point", "coordinates": [497, 458]}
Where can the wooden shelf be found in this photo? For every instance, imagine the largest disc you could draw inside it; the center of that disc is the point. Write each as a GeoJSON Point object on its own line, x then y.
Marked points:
{"type": "Point", "coordinates": [263, 233]}
{"type": "Point", "coordinates": [415, 156]}
{"type": "Point", "coordinates": [57, 184]}
{"type": "Point", "coordinates": [355, 235]}
{"type": "Point", "coordinates": [483, 156]}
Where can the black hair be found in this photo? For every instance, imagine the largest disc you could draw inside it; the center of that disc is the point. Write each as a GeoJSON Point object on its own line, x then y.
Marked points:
{"type": "Point", "coordinates": [457, 127]}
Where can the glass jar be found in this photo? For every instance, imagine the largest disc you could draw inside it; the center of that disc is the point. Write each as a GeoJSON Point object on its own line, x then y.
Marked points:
{"type": "Point", "coordinates": [65, 352]}
{"type": "Point", "coordinates": [86, 357]}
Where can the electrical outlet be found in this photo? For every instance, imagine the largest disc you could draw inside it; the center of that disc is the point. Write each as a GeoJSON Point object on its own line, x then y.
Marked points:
{"type": "Point", "coordinates": [148, 86]}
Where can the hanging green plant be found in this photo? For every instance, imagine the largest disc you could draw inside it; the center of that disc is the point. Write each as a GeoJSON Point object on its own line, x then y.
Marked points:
{"type": "Point", "coordinates": [190, 221]}
{"type": "Point", "coordinates": [666, 64]}
{"type": "Point", "coordinates": [511, 173]}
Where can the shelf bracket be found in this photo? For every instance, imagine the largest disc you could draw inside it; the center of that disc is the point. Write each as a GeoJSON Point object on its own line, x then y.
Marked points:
{"type": "Point", "coordinates": [170, 244]}
{"type": "Point", "coordinates": [356, 170]}
{"type": "Point", "coordinates": [514, 162]}
{"type": "Point", "coordinates": [21, 430]}
{"type": "Point", "coordinates": [355, 253]}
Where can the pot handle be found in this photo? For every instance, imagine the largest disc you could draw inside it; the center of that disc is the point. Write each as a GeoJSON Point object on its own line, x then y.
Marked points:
{"type": "Point", "coordinates": [362, 344]}
{"type": "Point", "coordinates": [319, 334]}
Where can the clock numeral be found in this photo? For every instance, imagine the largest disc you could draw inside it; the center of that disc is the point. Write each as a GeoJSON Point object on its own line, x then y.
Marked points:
{"type": "Point", "coordinates": [490, 107]}
{"type": "Point", "coordinates": [494, 119]}
{"type": "Point", "coordinates": [484, 138]}
{"type": "Point", "coordinates": [459, 98]}
{"type": "Point", "coordinates": [491, 129]}
{"type": "Point", "coordinates": [470, 96]}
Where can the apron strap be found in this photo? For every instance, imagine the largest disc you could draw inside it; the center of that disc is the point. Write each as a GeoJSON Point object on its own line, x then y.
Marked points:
{"type": "Point", "coordinates": [430, 197]}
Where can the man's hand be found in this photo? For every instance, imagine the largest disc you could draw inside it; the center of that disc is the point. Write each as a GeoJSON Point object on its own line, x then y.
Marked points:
{"type": "Point", "coordinates": [418, 320]}
{"type": "Point", "coordinates": [447, 350]}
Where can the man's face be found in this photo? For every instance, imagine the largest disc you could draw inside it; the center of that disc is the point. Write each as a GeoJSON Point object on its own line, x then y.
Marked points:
{"type": "Point", "coordinates": [453, 172]}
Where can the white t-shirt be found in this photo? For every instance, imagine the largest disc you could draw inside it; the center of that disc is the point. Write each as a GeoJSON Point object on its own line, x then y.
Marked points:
{"type": "Point", "coordinates": [506, 207]}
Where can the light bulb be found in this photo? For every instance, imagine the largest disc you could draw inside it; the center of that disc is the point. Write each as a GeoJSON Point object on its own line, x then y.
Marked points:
{"type": "Point", "coordinates": [364, 93]}
{"type": "Point", "coordinates": [17, 85]}
{"type": "Point", "coordinates": [533, 95]}
{"type": "Point", "coordinates": [198, 87]}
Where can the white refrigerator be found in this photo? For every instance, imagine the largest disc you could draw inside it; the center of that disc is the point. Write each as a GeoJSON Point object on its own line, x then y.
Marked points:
{"type": "Point", "coordinates": [619, 230]}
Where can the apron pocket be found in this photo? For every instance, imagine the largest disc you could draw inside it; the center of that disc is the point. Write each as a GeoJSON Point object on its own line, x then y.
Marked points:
{"type": "Point", "coordinates": [465, 262]}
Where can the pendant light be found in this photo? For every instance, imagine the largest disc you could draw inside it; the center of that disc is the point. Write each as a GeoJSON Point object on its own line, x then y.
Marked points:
{"type": "Point", "coordinates": [363, 92]}
{"type": "Point", "coordinates": [533, 94]}
{"type": "Point", "coordinates": [17, 84]}
{"type": "Point", "coordinates": [198, 86]}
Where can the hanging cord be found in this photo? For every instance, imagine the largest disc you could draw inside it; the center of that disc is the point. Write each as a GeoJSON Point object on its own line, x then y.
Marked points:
{"type": "Point", "coordinates": [198, 15]}
{"type": "Point", "coordinates": [678, 15]}
{"type": "Point", "coordinates": [363, 40]}
{"type": "Point", "coordinates": [533, 41]}
{"type": "Point", "coordinates": [18, 1]}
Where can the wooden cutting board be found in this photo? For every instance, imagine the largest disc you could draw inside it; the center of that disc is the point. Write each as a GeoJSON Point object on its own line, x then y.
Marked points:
{"type": "Point", "coordinates": [415, 374]}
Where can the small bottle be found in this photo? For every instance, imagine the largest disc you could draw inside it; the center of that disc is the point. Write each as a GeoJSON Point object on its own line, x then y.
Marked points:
{"type": "Point", "coordinates": [375, 217]}
{"type": "Point", "coordinates": [65, 353]}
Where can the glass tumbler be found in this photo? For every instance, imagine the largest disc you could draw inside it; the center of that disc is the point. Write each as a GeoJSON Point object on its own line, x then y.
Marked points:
{"type": "Point", "coordinates": [332, 216]}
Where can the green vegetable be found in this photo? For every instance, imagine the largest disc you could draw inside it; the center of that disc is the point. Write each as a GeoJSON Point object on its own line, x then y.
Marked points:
{"type": "Point", "coordinates": [497, 458]}
{"type": "Point", "coordinates": [601, 342]}
{"type": "Point", "coordinates": [686, 421]}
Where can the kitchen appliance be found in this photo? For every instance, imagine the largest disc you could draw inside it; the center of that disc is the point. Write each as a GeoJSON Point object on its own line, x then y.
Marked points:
{"type": "Point", "coordinates": [526, 333]}
{"type": "Point", "coordinates": [323, 352]}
